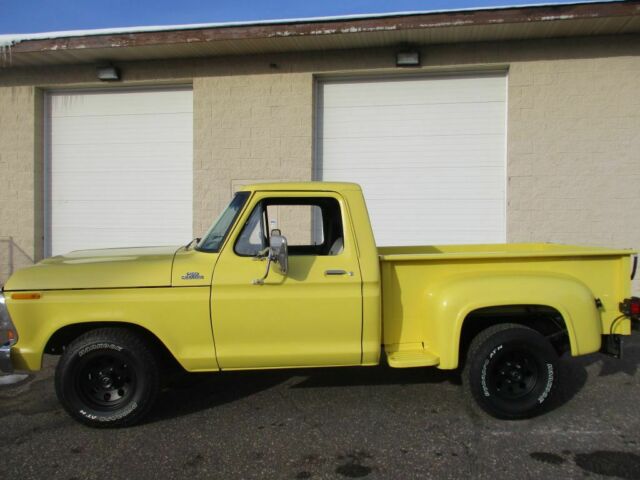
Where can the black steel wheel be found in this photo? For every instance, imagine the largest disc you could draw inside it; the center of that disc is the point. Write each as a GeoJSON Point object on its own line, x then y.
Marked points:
{"type": "Point", "coordinates": [511, 371]}
{"type": "Point", "coordinates": [515, 374]}
{"type": "Point", "coordinates": [108, 378]}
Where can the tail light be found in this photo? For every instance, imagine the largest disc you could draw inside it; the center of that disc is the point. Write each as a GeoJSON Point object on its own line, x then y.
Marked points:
{"type": "Point", "coordinates": [630, 307]}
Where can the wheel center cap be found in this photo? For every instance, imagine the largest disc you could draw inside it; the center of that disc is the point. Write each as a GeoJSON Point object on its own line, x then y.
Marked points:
{"type": "Point", "coordinates": [105, 380]}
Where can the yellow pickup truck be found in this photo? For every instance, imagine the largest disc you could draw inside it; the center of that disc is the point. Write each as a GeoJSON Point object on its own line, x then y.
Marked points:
{"type": "Point", "coordinates": [290, 276]}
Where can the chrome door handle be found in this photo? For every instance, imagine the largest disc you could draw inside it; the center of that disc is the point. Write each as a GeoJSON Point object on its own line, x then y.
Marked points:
{"type": "Point", "coordinates": [338, 272]}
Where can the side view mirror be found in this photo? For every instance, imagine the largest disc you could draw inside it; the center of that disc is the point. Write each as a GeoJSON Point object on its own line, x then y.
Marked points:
{"type": "Point", "coordinates": [278, 252]}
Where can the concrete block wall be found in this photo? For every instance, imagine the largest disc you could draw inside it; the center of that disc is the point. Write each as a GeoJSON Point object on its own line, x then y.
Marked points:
{"type": "Point", "coordinates": [248, 128]}
{"type": "Point", "coordinates": [18, 182]}
{"type": "Point", "coordinates": [574, 151]}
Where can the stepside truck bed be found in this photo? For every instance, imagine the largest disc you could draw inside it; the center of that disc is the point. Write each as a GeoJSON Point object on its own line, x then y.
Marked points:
{"type": "Point", "coordinates": [428, 292]}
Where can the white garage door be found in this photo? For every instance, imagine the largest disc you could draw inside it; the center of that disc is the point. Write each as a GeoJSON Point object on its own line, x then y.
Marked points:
{"type": "Point", "coordinates": [120, 169]}
{"type": "Point", "coordinates": [429, 153]}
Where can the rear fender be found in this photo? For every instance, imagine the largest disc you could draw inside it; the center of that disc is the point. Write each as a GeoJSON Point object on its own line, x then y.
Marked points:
{"type": "Point", "coordinates": [453, 301]}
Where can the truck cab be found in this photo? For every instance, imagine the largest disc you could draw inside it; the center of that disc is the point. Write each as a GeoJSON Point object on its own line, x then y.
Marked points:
{"type": "Point", "coordinates": [311, 314]}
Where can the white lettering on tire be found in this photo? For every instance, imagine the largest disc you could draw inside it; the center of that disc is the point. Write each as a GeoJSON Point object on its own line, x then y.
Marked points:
{"type": "Point", "coordinates": [547, 388]}
{"type": "Point", "coordinates": [483, 377]}
{"type": "Point", "coordinates": [98, 346]}
{"type": "Point", "coordinates": [111, 418]}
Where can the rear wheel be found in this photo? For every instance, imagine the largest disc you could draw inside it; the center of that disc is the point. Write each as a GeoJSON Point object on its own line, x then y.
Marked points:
{"type": "Point", "coordinates": [108, 378]}
{"type": "Point", "coordinates": [511, 371]}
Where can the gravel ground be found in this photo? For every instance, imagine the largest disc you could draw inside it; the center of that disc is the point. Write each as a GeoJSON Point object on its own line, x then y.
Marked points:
{"type": "Point", "coordinates": [334, 423]}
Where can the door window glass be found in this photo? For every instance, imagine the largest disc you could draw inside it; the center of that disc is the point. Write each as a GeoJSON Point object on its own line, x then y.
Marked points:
{"type": "Point", "coordinates": [312, 226]}
{"type": "Point", "coordinates": [252, 239]}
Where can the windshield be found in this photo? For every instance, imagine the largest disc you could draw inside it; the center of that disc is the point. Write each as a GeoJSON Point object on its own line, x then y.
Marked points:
{"type": "Point", "coordinates": [213, 239]}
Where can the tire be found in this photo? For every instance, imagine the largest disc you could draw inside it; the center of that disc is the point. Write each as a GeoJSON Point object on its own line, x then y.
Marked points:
{"type": "Point", "coordinates": [108, 377]}
{"type": "Point", "coordinates": [511, 371]}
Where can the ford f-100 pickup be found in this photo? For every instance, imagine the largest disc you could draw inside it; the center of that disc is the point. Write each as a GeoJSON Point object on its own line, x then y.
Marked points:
{"type": "Point", "coordinates": [290, 276]}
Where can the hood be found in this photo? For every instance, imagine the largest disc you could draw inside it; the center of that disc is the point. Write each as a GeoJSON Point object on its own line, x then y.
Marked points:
{"type": "Point", "coordinates": [107, 268]}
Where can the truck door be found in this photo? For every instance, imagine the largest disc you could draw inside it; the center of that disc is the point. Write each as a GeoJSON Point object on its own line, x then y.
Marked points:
{"type": "Point", "coordinates": [312, 316]}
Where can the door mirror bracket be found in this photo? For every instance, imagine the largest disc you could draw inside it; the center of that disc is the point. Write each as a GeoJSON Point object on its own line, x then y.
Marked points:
{"type": "Point", "coordinates": [278, 252]}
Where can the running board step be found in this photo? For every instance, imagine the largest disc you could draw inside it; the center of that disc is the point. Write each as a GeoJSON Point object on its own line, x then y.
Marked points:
{"type": "Point", "coordinates": [412, 358]}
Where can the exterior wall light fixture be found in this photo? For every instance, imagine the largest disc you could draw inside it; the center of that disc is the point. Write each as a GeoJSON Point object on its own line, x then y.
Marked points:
{"type": "Point", "coordinates": [408, 59]}
{"type": "Point", "coordinates": [108, 73]}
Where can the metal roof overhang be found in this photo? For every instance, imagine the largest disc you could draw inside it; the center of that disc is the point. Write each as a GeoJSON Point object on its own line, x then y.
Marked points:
{"type": "Point", "coordinates": [514, 23]}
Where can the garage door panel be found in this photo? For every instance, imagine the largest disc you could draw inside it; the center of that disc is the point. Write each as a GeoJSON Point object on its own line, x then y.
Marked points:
{"type": "Point", "coordinates": [432, 151]}
{"type": "Point", "coordinates": [436, 237]}
{"type": "Point", "coordinates": [435, 143]}
{"type": "Point", "coordinates": [125, 218]}
{"type": "Point", "coordinates": [428, 152]}
{"type": "Point", "coordinates": [423, 120]}
{"type": "Point", "coordinates": [93, 158]}
{"type": "Point", "coordinates": [127, 129]}
{"type": "Point", "coordinates": [411, 160]}
{"type": "Point", "coordinates": [110, 238]}
{"type": "Point", "coordinates": [435, 224]}
{"type": "Point", "coordinates": [435, 218]}
{"type": "Point", "coordinates": [88, 104]}
{"type": "Point", "coordinates": [135, 186]}
{"type": "Point", "coordinates": [126, 235]}
{"type": "Point", "coordinates": [432, 184]}
{"type": "Point", "coordinates": [120, 169]}
{"type": "Point", "coordinates": [433, 90]}
{"type": "Point", "coordinates": [120, 210]}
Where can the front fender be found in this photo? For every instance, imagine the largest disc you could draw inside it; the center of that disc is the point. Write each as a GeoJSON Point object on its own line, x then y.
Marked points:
{"type": "Point", "coordinates": [453, 301]}
{"type": "Point", "coordinates": [177, 317]}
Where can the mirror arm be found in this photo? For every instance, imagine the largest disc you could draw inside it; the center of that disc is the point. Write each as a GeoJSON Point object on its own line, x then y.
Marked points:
{"type": "Point", "coordinates": [262, 254]}
{"type": "Point", "coordinates": [260, 281]}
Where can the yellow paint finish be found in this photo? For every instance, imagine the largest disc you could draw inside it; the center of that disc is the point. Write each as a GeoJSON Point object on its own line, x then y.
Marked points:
{"type": "Point", "coordinates": [193, 262]}
{"type": "Point", "coordinates": [107, 268]}
{"type": "Point", "coordinates": [410, 355]}
{"type": "Point", "coordinates": [306, 318]}
{"type": "Point", "coordinates": [496, 251]}
{"type": "Point", "coordinates": [427, 296]}
{"type": "Point", "coordinates": [179, 317]}
{"type": "Point", "coordinates": [360, 228]}
{"type": "Point", "coordinates": [305, 187]}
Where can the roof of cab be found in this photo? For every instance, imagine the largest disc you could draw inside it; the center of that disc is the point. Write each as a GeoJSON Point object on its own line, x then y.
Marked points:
{"type": "Point", "coordinates": [303, 186]}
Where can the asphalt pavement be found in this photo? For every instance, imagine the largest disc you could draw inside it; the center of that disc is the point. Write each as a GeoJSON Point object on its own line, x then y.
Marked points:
{"type": "Point", "coordinates": [372, 422]}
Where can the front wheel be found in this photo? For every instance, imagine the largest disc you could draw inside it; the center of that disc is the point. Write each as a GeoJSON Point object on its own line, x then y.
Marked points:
{"type": "Point", "coordinates": [108, 377]}
{"type": "Point", "coordinates": [511, 371]}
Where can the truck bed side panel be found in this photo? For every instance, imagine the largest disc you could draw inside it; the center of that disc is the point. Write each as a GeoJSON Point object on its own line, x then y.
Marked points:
{"type": "Point", "coordinates": [427, 300]}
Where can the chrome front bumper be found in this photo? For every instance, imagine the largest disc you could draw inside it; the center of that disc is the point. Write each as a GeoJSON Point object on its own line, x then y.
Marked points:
{"type": "Point", "coordinates": [5, 360]}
